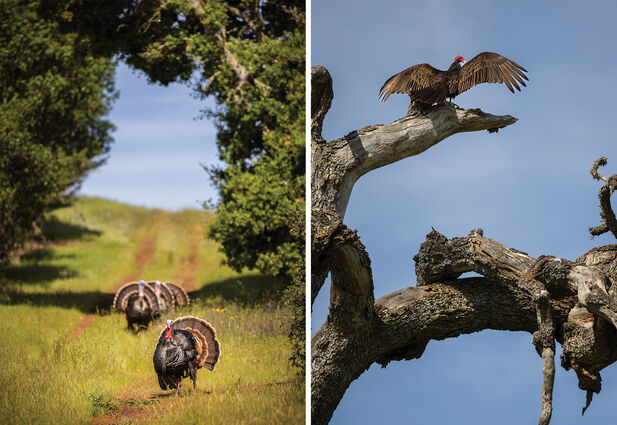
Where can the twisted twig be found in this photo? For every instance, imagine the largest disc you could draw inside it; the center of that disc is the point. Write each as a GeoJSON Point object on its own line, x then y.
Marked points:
{"type": "Point", "coordinates": [607, 214]}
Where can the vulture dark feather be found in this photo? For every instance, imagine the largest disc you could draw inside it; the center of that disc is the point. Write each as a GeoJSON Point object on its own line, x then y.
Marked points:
{"type": "Point", "coordinates": [430, 85]}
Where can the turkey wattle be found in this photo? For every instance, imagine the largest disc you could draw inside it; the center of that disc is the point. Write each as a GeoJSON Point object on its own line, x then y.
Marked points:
{"type": "Point", "coordinates": [186, 344]}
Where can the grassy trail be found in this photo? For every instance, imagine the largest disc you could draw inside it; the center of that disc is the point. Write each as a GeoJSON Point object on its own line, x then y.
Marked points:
{"type": "Point", "coordinates": [189, 264]}
{"type": "Point", "coordinates": [143, 257]}
{"type": "Point", "coordinates": [70, 361]}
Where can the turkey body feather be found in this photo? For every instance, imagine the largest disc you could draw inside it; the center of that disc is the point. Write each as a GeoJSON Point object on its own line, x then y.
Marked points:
{"type": "Point", "coordinates": [185, 345]}
{"type": "Point", "coordinates": [138, 312]}
{"type": "Point", "coordinates": [174, 359]}
{"type": "Point", "coordinates": [148, 301]}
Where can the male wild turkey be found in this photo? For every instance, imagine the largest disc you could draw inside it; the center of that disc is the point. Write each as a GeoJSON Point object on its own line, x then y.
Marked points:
{"type": "Point", "coordinates": [185, 345]}
{"type": "Point", "coordinates": [180, 295]}
{"type": "Point", "coordinates": [139, 302]}
{"type": "Point", "coordinates": [164, 296]}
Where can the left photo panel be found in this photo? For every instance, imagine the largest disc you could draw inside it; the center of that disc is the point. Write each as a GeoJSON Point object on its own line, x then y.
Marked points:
{"type": "Point", "coordinates": [152, 212]}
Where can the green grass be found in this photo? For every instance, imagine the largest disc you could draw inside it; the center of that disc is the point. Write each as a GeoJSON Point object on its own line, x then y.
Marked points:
{"type": "Point", "coordinates": [50, 374]}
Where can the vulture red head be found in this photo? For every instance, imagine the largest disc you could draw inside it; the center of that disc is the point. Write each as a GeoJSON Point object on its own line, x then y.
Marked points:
{"type": "Point", "coordinates": [459, 59]}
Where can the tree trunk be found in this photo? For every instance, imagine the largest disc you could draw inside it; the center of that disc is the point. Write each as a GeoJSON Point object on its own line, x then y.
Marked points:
{"type": "Point", "coordinates": [553, 299]}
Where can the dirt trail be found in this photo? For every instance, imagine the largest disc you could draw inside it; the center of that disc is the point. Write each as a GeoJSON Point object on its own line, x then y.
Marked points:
{"type": "Point", "coordinates": [188, 265]}
{"type": "Point", "coordinates": [82, 325]}
{"type": "Point", "coordinates": [138, 403]}
{"type": "Point", "coordinates": [144, 255]}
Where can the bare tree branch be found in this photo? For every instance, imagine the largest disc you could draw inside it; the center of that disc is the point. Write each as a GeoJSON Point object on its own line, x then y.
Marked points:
{"type": "Point", "coordinates": [400, 328]}
{"type": "Point", "coordinates": [240, 71]}
{"type": "Point", "coordinates": [321, 99]}
{"type": "Point", "coordinates": [572, 302]}
{"type": "Point", "coordinates": [544, 340]}
{"type": "Point", "coordinates": [337, 165]}
{"type": "Point", "coordinates": [594, 170]}
{"type": "Point", "coordinates": [607, 213]}
{"type": "Point", "coordinates": [255, 24]}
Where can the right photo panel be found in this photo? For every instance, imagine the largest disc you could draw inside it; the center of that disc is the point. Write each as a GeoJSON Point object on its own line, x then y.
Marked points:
{"type": "Point", "coordinates": [463, 241]}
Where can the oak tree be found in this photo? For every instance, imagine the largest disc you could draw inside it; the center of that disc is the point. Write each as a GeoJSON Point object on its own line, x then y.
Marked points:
{"type": "Point", "coordinates": [249, 56]}
{"type": "Point", "coordinates": [55, 91]}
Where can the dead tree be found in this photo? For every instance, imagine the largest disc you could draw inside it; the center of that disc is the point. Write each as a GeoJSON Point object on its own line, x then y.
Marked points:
{"type": "Point", "coordinates": [572, 302]}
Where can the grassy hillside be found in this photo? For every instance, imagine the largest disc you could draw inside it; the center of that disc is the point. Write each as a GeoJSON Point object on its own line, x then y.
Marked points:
{"type": "Point", "coordinates": [67, 359]}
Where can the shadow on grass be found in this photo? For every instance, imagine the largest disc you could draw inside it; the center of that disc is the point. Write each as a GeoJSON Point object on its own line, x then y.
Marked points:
{"type": "Point", "coordinates": [86, 302]}
{"type": "Point", "coordinates": [245, 290]}
{"type": "Point", "coordinates": [57, 230]}
{"type": "Point", "coordinates": [34, 267]}
{"type": "Point", "coordinates": [35, 273]}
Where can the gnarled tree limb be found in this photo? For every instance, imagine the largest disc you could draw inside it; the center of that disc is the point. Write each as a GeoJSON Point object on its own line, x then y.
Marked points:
{"type": "Point", "coordinates": [338, 164]}
{"type": "Point", "coordinates": [572, 302]}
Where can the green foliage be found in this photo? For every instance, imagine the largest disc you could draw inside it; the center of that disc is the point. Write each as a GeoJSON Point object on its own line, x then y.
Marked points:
{"type": "Point", "coordinates": [102, 404]}
{"type": "Point", "coordinates": [53, 94]}
{"type": "Point", "coordinates": [294, 300]}
{"type": "Point", "coordinates": [250, 57]}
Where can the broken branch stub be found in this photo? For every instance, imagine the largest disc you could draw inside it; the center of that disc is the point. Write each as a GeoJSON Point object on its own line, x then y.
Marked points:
{"type": "Point", "coordinates": [606, 210]}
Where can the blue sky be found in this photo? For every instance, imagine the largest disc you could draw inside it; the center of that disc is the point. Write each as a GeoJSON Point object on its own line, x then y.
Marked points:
{"type": "Point", "coordinates": [159, 145]}
{"type": "Point", "coordinates": [527, 186]}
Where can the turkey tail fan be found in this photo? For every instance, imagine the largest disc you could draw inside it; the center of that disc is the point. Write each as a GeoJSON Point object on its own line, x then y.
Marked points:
{"type": "Point", "coordinates": [169, 298]}
{"type": "Point", "coordinates": [182, 298]}
{"type": "Point", "coordinates": [208, 346]}
{"type": "Point", "coordinates": [121, 298]}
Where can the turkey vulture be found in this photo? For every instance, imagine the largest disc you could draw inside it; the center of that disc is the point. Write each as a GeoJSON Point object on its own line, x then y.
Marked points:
{"type": "Point", "coordinates": [185, 345]}
{"type": "Point", "coordinates": [429, 85]}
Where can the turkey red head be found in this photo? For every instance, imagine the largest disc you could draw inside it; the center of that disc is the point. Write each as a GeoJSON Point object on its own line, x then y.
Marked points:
{"type": "Point", "coordinates": [157, 288]}
{"type": "Point", "coordinates": [141, 288]}
{"type": "Point", "coordinates": [169, 328]}
{"type": "Point", "coordinates": [460, 59]}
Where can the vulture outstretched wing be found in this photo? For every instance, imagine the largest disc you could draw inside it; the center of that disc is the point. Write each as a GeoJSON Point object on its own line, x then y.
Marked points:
{"type": "Point", "coordinates": [413, 79]}
{"type": "Point", "coordinates": [491, 67]}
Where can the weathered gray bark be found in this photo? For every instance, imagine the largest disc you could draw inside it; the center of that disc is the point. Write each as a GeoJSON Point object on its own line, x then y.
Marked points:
{"type": "Point", "coordinates": [572, 302]}
{"type": "Point", "coordinates": [337, 165]}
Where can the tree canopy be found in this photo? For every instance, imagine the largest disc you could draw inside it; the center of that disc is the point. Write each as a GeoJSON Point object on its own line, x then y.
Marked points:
{"type": "Point", "coordinates": [54, 94]}
{"type": "Point", "coordinates": [249, 56]}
